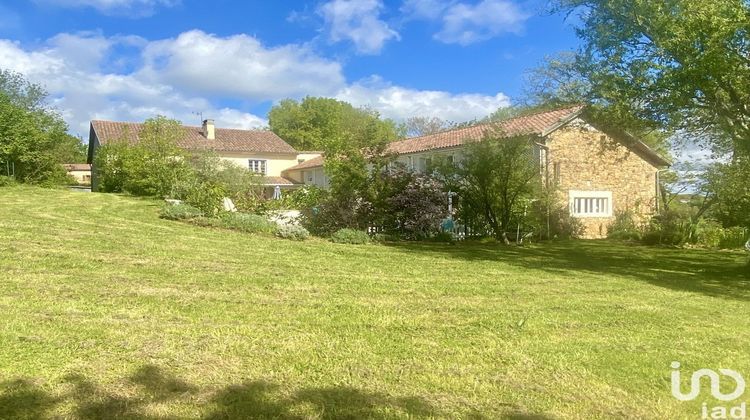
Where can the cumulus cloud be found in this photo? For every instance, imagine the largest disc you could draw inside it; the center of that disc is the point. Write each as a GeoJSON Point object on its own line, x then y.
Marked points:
{"type": "Point", "coordinates": [132, 8]}
{"type": "Point", "coordinates": [400, 103]}
{"type": "Point", "coordinates": [467, 23]}
{"type": "Point", "coordinates": [357, 21]}
{"type": "Point", "coordinates": [239, 66]}
{"type": "Point", "coordinates": [128, 78]}
{"type": "Point", "coordinates": [68, 67]}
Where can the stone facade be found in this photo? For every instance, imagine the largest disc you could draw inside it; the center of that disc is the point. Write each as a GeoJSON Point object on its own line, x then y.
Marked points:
{"type": "Point", "coordinates": [583, 159]}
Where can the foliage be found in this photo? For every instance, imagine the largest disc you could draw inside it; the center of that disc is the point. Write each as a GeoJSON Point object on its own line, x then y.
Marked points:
{"type": "Point", "coordinates": [414, 206]}
{"type": "Point", "coordinates": [494, 181]}
{"type": "Point", "coordinates": [154, 166]}
{"type": "Point", "coordinates": [422, 126]}
{"type": "Point", "coordinates": [624, 227]}
{"type": "Point", "coordinates": [669, 228]}
{"type": "Point", "coordinates": [33, 138]}
{"type": "Point", "coordinates": [322, 123]}
{"type": "Point", "coordinates": [711, 234]}
{"type": "Point", "coordinates": [293, 232]}
{"type": "Point", "coordinates": [180, 212]}
{"type": "Point", "coordinates": [677, 65]}
{"type": "Point", "coordinates": [332, 214]}
{"type": "Point", "coordinates": [7, 181]}
{"type": "Point", "coordinates": [350, 236]}
{"type": "Point", "coordinates": [728, 186]}
{"type": "Point", "coordinates": [247, 222]}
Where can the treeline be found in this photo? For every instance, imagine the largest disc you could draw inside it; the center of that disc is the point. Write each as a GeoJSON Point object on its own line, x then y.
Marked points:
{"type": "Point", "coordinates": [33, 137]}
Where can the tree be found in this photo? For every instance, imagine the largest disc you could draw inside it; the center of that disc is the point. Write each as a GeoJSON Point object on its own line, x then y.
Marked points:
{"type": "Point", "coordinates": [422, 126]}
{"type": "Point", "coordinates": [314, 123]}
{"type": "Point", "coordinates": [152, 167]}
{"type": "Point", "coordinates": [33, 138]}
{"type": "Point", "coordinates": [675, 64]}
{"type": "Point", "coordinates": [494, 179]}
{"type": "Point", "coordinates": [727, 185]}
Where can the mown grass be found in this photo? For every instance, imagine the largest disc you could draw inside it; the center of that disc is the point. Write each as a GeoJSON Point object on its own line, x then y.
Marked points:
{"type": "Point", "coordinates": [108, 311]}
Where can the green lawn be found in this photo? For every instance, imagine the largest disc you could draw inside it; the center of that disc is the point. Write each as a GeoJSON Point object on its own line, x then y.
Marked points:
{"type": "Point", "coordinates": [107, 311]}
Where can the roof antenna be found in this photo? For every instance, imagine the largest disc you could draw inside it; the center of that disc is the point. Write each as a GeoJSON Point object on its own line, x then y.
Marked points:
{"type": "Point", "coordinates": [200, 115]}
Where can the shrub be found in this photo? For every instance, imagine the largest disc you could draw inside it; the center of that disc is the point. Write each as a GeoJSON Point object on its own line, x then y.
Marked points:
{"type": "Point", "coordinates": [350, 236]}
{"type": "Point", "coordinates": [293, 232]}
{"type": "Point", "coordinates": [246, 222]}
{"type": "Point", "coordinates": [444, 237]}
{"type": "Point", "coordinates": [7, 181]}
{"type": "Point", "coordinates": [624, 227]}
{"type": "Point", "coordinates": [668, 228]}
{"type": "Point", "coordinates": [333, 214]}
{"type": "Point", "coordinates": [180, 212]}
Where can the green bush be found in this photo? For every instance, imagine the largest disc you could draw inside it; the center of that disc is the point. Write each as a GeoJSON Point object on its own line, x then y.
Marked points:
{"type": "Point", "coordinates": [7, 181]}
{"type": "Point", "coordinates": [350, 236]}
{"type": "Point", "coordinates": [444, 237]}
{"type": "Point", "coordinates": [180, 212]}
{"type": "Point", "coordinates": [293, 232]}
{"type": "Point", "coordinates": [668, 228]}
{"type": "Point", "coordinates": [247, 222]}
{"type": "Point", "coordinates": [624, 227]}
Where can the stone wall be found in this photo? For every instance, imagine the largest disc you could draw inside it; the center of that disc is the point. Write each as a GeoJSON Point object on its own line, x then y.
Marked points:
{"type": "Point", "coordinates": [590, 160]}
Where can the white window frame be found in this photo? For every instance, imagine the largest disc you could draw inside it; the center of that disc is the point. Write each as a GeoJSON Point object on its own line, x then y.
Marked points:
{"type": "Point", "coordinates": [262, 166]}
{"type": "Point", "coordinates": [594, 199]}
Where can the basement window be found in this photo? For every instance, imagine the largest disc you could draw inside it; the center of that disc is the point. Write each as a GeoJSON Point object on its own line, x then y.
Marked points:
{"type": "Point", "coordinates": [258, 166]}
{"type": "Point", "coordinates": [590, 203]}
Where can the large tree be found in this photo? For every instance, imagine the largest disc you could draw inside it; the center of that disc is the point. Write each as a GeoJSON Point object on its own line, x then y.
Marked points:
{"type": "Point", "coordinates": [679, 65]}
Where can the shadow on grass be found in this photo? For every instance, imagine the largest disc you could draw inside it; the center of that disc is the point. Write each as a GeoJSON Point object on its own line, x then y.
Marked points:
{"type": "Point", "coordinates": [712, 273]}
{"type": "Point", "coordinates": [152, 390]}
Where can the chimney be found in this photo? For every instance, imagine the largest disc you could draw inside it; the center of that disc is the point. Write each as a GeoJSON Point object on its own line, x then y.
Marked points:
{"type": "Point", "coordinates": [209, 130]}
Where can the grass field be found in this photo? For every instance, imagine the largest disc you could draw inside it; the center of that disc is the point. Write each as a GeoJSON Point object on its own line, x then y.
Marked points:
{"type": "Point", "coordinates": [107, 311]}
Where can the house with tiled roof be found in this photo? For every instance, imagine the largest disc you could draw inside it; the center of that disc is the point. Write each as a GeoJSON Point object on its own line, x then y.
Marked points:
{"type": "Point", "coordinates": [259, 151]}
{"type": "Point", "coordinates": [597, 172]}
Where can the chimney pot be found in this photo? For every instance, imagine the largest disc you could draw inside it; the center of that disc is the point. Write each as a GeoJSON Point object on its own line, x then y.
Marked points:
{"type": "Point", "coordinates": [209, 129]}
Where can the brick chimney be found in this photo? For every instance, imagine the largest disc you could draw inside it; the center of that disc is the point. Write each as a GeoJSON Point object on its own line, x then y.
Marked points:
{"type": "Point", "coordinates": [209, 130]}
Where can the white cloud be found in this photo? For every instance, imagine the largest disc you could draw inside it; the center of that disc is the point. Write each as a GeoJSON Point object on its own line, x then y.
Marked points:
{"type": "Point", "coordinates": [400, 103]}
{"type": "Point", "coordinates": [359, 22]}
{"type": "Point", "coordinates": [67, 67]}
{"type": "Point", "coordinates": [466, 23]}
{"type": "Point", "coordinates": [424, 9]}
{"type": "Point", "coordinates": [239, 66]}
{"type": "Point", "coordinates": [198, 72]}
{"type": "Point", "coordinates": [131, 8]}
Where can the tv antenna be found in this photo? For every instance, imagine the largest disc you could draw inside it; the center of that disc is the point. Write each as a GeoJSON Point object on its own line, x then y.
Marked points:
{"type": "Point", "coordinates": [200, 115]}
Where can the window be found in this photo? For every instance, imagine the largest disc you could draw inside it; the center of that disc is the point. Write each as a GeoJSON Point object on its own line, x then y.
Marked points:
{"type": "Point", "coordinates": [257, 166]}
{"type": "Point", "coordinates": [450, 159]}
{"type": "Point", "coordinates": [557, 171]}
{"type": "Point", "coordinates": [591, 203]}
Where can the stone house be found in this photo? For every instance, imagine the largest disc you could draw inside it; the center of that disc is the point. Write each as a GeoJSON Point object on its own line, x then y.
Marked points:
{"type": "Point", "coordinates": [259, 151]}
{"type": "Point", "coordinates": [597, 173]}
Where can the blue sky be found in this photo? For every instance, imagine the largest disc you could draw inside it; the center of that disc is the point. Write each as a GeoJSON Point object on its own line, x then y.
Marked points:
{"type": "Point", "coordinates": [231, 60]}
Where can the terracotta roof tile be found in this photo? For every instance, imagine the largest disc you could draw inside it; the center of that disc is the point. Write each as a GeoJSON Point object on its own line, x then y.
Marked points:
{"type": "Point", "coordinates": [77, 166]}
{"type": "Point", "coordinates": [310, 163]}
{"type": "Point", "coordinates": [538, 123]}
{"type": "Point", "coordinates": [277, 180]}
{"type": "Point", "coordinates": [227, 139]}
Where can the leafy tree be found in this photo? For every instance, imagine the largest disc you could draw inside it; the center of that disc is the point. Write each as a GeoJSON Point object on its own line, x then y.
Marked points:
{"type": "Point", "coordinates": [315, 123]}
{"type": "Point", "coordinates": [422, 126]}
{"type": "Point", "coordinates": [673, 64]}
{"type": "Point", "coordinates": [495, 180]}
{"type": "Point", "coordinates": [33, 138]}
{"type": "Point", "coordinates": [727, 184]}
{"type": "Point", "coordinates": [152, 167]}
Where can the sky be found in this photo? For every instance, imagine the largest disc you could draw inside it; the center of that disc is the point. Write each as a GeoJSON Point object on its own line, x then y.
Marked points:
{"type": "Point", "coordinates": [128, 60]}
